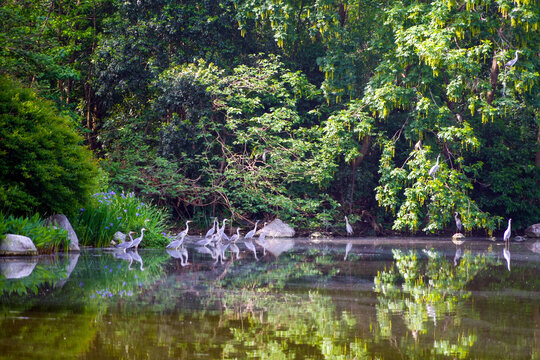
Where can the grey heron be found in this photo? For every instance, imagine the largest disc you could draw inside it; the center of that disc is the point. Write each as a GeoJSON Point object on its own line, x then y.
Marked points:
{"type": "Point", "coordinates": [176, 243]}
{"type": "Point", "coordinates": [458, 221]}
{"type": "Point", "coordinates": [513, 61]}
{"type": "Point", "coordinates": [236, 236]}
{"type": "Point", "coordinates": [261, 239]}
{"type": "Point", "coordinates": [435, 167]}
{"type": "Point", "coordinates": [185, 231]}
{"type": "Point", "coordinates": [212, 230]}
{"type": "Point", "coordinates": [137, 241]}
{"type": "Point", "coordinates": [251, 233]}
{"type": "Point", "coordinates": [126, 244]}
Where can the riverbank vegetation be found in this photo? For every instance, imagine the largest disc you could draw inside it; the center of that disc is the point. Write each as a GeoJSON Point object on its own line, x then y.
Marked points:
{"type": "Point", "coordinates": [306, 111]}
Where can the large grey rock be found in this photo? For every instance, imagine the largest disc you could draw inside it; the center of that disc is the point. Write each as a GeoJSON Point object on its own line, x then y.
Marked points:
{"type": "Point", "coordinates": [62, 222]}
{"type": "Point", "coordinates": [17, 268]}
{"type": "Point", "coordinates": [278, 228]}
{"type": "Point", "coordinates": [533, 231]}
{"type": "Point", "coordinates": [119, 237]}
{"type": "Point", "coordinates": [17, 245]}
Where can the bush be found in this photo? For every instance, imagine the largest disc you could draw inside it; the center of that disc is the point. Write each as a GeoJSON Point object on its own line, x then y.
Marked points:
{"type": "Point", "coordinates": [109, 212]}
{"type": "Point", "coordinates": [43, 167]}
{"type": "Point", "coordinates": [46, 238]}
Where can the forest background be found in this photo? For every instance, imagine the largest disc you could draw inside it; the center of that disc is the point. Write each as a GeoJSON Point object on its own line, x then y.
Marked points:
{"type": "Point", "coordinates": [256, 109]}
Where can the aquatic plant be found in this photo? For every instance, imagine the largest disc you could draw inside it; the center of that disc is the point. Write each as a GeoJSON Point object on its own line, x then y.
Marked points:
{"type": "Point", "coordinates": [109, 212]}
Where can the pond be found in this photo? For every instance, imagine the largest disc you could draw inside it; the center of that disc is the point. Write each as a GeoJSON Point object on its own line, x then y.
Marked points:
{"type": "Point", "coordinates": [390, 298]}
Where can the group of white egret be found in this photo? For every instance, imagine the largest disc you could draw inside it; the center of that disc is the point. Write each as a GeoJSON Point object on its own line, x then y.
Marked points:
{"type": "Point", "coordinates": [216, 242]}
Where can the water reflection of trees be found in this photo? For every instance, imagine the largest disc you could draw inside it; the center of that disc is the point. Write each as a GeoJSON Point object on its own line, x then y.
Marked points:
{"type": "Point", "coordinates": [421, 292]}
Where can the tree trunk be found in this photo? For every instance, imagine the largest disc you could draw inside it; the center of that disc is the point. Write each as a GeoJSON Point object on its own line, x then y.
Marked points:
{"type": "Point", "coordinates": [356, 162]}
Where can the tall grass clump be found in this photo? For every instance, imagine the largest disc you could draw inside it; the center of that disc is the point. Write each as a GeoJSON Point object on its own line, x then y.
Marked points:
{"type": "Point", "coordinates": [46, 238]}
{"type": "Point", "coordinates": [109, 212]}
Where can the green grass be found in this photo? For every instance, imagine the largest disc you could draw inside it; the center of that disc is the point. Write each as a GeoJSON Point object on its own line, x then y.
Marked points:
{"type": "Point", "coordinates": [47, 239]}
{"type": "Point", "coordinates": [109, 212]}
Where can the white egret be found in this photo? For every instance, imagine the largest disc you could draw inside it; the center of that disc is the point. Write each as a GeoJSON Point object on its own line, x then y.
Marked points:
{"type": "Point", "coordinates": [348, 226]}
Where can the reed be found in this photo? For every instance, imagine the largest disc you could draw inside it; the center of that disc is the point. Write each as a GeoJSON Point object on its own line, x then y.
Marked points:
{"type": "Point", "coordinates": [109, 212]}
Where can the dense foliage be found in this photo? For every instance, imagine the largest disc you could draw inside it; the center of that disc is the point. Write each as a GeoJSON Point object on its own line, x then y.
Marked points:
{"type": "Point", "coordinates": [306, 110]}
{"type": "Point", "coordinates": [43, 165]}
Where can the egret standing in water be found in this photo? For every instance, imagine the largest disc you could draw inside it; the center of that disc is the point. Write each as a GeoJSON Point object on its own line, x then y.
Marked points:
{"type": "Point", "coordinates": [435, 167]}
{"type": "Point", "coordinates": [506, 238]}
{"type": "Point", "coordinates": [508, 231]}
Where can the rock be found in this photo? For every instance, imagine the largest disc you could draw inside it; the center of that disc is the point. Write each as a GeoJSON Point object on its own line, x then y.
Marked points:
{"type": "Point", "coordinates": [17, 245]}
{"type": "Point", "coordinates": [533, 231]}
{"type": "Point", "coordinates": [278, 228]}
{"type": "Point", "coordinates": [119, 237]}
{"type": "Point", "coordinates": [316, 234]}
{"type": "Point", "coordinates": [458, 236]}
{"type": "Point", "coordinates": [535, 247]}
{"type": "Point", "coordinates": [519, 239]}
{"type": "Point", "coordinates": [17, 268]}
{"type": "Point", "coordinates": [62, 222]}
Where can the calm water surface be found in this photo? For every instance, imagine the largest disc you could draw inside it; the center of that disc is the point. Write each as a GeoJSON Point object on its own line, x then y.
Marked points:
{"type": "Point", "coordinates": [390, 299]}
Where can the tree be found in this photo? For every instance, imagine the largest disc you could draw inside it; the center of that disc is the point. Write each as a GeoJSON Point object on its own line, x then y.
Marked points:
{"type": "Point", "coordinates": [43, 166]}
{"type": "Point", "coordinates": [244, 142]}
{"type": "Point", "coordinates": [444, 80]}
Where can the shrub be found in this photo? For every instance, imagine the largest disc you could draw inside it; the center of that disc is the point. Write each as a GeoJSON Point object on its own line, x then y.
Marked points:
{"type": "Point", "coordinates": [43, 167]}
{"type": "Point", "coordinates": [109, 212]}
{"type": "Point", "coordinates": [46, 238]}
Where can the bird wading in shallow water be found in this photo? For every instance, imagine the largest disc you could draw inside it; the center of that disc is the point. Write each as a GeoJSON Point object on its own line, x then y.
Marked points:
{"type": "Point", "coordinates": [126, 244]}
{"type": "Point", "coordinates": [506, 238]}
{"type": "Point", "coordinates": [137, 241]}
{"type": "Point", "coordinates": [185, 232]}
{"type": "Point", "coordinates": [252, 232]}
{"type": "Point", "coordinates": [508, 231]}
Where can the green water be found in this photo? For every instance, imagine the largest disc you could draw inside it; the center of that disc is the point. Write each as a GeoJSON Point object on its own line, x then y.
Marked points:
{"type": "Point", "coordinates": [300, 301]}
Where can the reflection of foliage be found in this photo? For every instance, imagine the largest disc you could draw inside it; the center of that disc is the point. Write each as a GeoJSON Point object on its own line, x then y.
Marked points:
{"type": "Point", "coordinates": [429, 289]}
{"type": "Point", "coordinates": [41, 275]}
